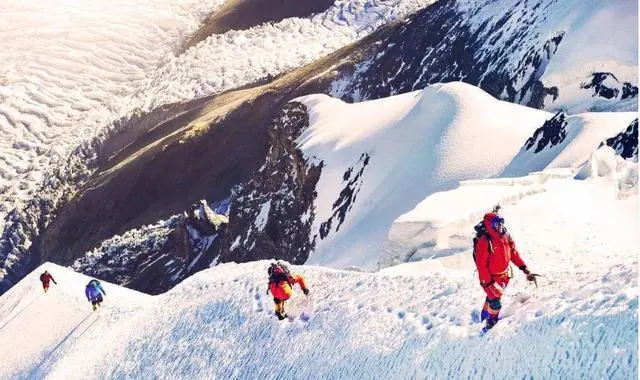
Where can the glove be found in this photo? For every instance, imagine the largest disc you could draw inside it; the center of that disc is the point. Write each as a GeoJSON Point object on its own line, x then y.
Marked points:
{"type": "Point", "coordinates": [485, 284]}
{"type": "Point", "coordinates": [305, 291]}
{"type": "Point", "coordinates": [493, 290]}
{"type": "Point", "coordinates": [530, 276]}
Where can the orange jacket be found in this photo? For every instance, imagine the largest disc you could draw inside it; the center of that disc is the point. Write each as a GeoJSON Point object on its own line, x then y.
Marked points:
{"type": "Point", "coordinates": [504, 250]}
{"type": "Point", "coordinates": [282, 290]}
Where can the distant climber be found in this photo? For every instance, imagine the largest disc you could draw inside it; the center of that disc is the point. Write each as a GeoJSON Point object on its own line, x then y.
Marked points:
{"type": "Point", "coordinates": [493, 250]}
{"type": "Point", "coordinates": [94, 292]}
{"type": "Point", "coordinates": [45, 278]}
{"type": "Point", "coordinates": [281, 286]}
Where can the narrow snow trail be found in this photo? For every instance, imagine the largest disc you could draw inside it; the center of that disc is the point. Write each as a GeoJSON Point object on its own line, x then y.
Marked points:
{"type": "Point", "coordinates": [412, 320]}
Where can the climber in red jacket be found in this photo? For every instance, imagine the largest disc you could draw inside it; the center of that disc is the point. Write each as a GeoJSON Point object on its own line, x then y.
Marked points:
{"type": "Point", "coordinates": [45, 278]}
{"type": "Point", "coordinates": [493, 252]}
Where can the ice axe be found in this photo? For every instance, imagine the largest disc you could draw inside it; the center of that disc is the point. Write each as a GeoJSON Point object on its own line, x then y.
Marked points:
{"type": "Point", "coordinates": [532, 277]}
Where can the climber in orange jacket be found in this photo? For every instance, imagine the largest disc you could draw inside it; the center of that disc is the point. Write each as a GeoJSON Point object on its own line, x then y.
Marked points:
{"type": "Point", "coordinates": [281, 286]}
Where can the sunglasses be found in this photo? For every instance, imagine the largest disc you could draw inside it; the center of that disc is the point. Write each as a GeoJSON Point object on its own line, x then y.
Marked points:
{"type": "Point", "coordinates": [497, 222]}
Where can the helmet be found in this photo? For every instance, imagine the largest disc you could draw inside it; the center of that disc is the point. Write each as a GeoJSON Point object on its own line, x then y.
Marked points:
{"type": "Point", "coordinates": [497, 223]}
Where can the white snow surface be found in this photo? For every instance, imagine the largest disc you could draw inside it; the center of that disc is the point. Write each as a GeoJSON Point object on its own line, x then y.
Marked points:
{"type": "Point", "coordinates": [419, 143]}
{"type": "Point", "coordinates": [69, 69]}
{"type": "Point", "coordinates": [605, 164]}
{"type": "Point", "coordinates": [414, 320]}
{"type": "Point", "coordinates": [591, 26]}
{"type": "Point", "coordinates": [585, 132]}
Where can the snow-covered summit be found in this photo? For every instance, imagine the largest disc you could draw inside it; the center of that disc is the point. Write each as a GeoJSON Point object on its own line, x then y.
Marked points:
{"type": "Point", "coordinates": [381, 158]}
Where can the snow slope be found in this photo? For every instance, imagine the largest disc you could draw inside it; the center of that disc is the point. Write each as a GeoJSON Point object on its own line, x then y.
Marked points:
{"type": "Point", "coordinates": [382, 157]}
{"type": "Point", "coordinates": [598, 36]}
{"type": "Point", "coordinates": [584, 132]}
{"type": "Point", "coordinates": [415, 320]}
{"type": "Point", "coordinates": [591, 26]}
{"type": "Point", "coordinates": [36, 328]}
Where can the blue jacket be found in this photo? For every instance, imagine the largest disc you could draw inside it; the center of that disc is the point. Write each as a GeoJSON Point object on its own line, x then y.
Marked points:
{"type": "Point", "coordinates": [93, 290]}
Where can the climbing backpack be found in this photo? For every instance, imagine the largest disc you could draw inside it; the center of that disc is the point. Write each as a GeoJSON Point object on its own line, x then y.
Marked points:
{"type": "Point", "coordinates": [481, 231]}
{"type": "Point", "coordinates": [279, 272]}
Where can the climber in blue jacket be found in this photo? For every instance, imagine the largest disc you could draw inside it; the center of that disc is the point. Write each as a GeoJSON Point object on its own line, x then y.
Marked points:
{"type": "Point", "coordinates": [94, 292]}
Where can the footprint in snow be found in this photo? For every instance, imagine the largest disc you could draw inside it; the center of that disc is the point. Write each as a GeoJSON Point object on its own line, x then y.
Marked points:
{"type": "Point", "coordinates": [257, 300]}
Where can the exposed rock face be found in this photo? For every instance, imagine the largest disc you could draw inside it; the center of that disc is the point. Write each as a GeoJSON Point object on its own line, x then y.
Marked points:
{"type": "Point", "coordinates": [154, 258]}
{"type": "Point", "coordinates": [271, 215]}
{"type": "Point", "coordinates": [439, 45]}
{"type": "Point", "coordinates": [629, 91]}
{"type": "Point", "coordinates": [346, 198]}
{"type": "Point", "coordinates": [552, 133]}
{"type": "Point", "coordinates": [626, 142]}
{"type": "Point", "coordinates": [607, 86]}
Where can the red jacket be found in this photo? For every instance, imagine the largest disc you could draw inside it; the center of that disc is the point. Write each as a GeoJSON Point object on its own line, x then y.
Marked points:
{"type": "Point", "coordinates": [504, 250]}
{"type": "Point", "coordinates": [46, 277]}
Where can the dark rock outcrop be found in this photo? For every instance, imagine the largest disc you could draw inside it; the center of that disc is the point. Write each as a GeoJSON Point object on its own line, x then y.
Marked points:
{"type": "Point", "coordinates": [629, 91]}
{"type": "Point", "coordinates": [346, 198]}
{"type": "Point", "coordinates": [625, 143]}
{"type": "Point", "coordinates": [271, 215]}
{"type": "Point", "coordinates": [606, 85]}
{"type": "Point", "coordinates": [154, 258]}
{"type": "Point", "coordinates": [599, 86]}
{"type": "Point", "coordinates": [552, 133]}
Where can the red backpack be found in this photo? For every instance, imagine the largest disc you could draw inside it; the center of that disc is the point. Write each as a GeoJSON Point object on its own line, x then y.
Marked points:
{"type": "Point", "coordinates": [279, 272]}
